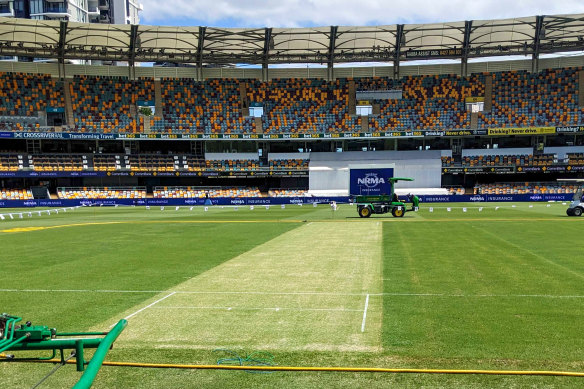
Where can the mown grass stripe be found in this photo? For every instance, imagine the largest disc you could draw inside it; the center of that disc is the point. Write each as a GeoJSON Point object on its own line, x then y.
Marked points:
{"type": "Point", "coordinates": [343, 265]}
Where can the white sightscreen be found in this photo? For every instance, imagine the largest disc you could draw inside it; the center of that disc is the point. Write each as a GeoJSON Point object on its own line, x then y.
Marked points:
{"type": "Point", "coordinates": [330, 171]}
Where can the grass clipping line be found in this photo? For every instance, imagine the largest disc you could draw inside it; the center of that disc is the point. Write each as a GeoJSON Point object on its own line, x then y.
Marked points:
{"type": "Point", "coordinates": [324, 368]}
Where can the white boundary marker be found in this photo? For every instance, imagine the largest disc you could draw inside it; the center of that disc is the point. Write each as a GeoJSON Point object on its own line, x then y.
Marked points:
{"type": "Point", "coordinates": [365, 313]}
{"type": "Point", "coordinates": [147, 306]}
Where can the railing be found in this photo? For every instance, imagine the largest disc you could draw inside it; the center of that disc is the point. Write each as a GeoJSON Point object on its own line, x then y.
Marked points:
{"type": "Point", "coordinates": [57, 10]}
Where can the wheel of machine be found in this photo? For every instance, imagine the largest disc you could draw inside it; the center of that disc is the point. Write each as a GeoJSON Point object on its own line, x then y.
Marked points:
{"type": "Point", "coordinates": [577, 211]}
{"type": "Point", "coordinates": [569, 212]}
{"type": "Point", "coordinates": [398, 212]}
{"type": "Point", "coordinates": [364, 211]}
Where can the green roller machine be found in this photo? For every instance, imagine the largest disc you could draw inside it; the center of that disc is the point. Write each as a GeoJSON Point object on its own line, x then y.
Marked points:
{"type": "Point", "coordinates": [15, 336]}
{"type": "Point", "coordinates": [379, 204]}
{"type": "Point", "coordinates": [577, 205]}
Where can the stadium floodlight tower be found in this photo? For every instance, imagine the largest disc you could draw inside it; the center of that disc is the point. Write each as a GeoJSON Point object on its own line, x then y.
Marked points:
{"type": "Point", "coordinates": [577, 205]}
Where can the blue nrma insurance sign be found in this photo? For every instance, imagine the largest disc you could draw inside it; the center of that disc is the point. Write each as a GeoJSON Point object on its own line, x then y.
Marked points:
{"type": "Point", "coordinates": [370, 181]}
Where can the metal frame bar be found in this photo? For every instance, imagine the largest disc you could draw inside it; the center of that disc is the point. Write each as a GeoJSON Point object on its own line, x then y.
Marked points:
{"type": "Point", "coordinates": [224, 46]}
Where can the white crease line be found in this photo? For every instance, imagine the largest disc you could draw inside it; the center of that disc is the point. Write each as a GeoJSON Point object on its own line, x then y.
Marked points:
{"type": "Point", "coordinates": [365, 313]}
{"type": "Point", "coordinates": [275, 293]}
{"type": "Point", "coordinates": [147, 306]}
{"type": "Point", "coordinates": [260, 309]}
{"type": "Point", "coordinates": [551, 296]}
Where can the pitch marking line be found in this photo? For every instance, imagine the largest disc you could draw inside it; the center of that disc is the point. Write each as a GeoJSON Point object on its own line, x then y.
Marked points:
{"type": "Point", "coordinates": [182, 292]}
{"type": "Point", "coordinates": [148, 306]}
{"type": "Point", "coordinates": [40, 228]}
{"type": "Point", "coordinates": [413, 220]}
{"type": "Point", "coordinates": [288, 293]}
{"type": "Point", "coordinates": [365, 313]}
{"type": "Point", "coordinates": [277, 309]}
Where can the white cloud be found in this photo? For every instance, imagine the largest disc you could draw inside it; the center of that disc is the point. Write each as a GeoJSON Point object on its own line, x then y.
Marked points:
{"type": "Point", "coordinates": [297, 13]}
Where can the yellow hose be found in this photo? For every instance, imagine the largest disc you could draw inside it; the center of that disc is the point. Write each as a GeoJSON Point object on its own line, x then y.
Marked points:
{"type": "Point", "coordinates": [330, 369]}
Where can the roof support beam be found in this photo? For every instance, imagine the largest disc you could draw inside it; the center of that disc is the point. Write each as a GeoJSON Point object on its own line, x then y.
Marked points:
{"type": "Point", "coordinates": [465, 47]}
{"type": "Point", "coordinates": [399, 39]}
{"type": "Point", "coordinates": [331, 52]}
{"type": "Point", "coordinates": [200, 47]}
{"type": "Point", "coordinates": [61, 47]}
{"type": "Point", "coordinates": [268, 42]}
{"type": "Point", "coordinates": [539, 31]}
{"type": "Point", "coordinates": [132, 47]}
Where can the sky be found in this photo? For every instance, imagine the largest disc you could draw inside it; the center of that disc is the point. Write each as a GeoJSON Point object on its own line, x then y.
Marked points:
{"type": "Point", "coordinates": [313, 13]}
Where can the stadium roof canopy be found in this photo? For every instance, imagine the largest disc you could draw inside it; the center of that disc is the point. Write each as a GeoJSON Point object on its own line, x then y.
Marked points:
{"type": "Point", "coordinates": [63, 40]}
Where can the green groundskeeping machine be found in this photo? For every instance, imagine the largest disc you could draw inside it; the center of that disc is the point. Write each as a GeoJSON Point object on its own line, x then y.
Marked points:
{"type": "Point", "coordinates": [379, 204]}
{"type": "Point", "coordinates": [577, 205]}
{"type": "Point", "coordinates": [28, 337]}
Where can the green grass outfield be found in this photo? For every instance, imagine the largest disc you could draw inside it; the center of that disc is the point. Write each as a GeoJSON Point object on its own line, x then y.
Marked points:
{"type": "Point", "coordinates": [500, 286]}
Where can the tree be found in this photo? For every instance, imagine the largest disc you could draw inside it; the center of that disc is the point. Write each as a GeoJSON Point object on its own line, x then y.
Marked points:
{"type": "Point", "coordinates": [146, 111]}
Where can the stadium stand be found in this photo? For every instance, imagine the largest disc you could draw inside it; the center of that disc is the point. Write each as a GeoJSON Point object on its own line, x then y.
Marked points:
{"type": "Point", "coordinates": [107, 162]}
{"type": "Point", "coordinates": [208, 107]}
{"type": "Point", "coordinates": [522, 99]}
{"type": "Point", "coordinates": [447, 161]}
{"type": "Point", "coordinates": [287, 192]}
{"type": "Point", "coordinates": [23, 94]}
{"type": "Point", "coordinates": [576, 159]}
{"type": "Point", "coordinates": [233, 165]}
{"type": "Point", "coordinates": [102, 104]}
{"type": "Point", "coordinates": [524, 188]}
{"type": "Point", "coordinates": [151, 163]}
{"type": "Point", "coordinates": [288, 164]}
{"type": "Point", "coordinates": [223, 108]}
{"type": "Point", "coordinates": [303, 105]}
{"type": "Point", "coordinates": [16, 194]}
{"type": "Point", "coordinates": [144, 89]}
{"type": "Point", "coordinates": [182, 107]}
{"type": "Point", "coordinates": [456, 191]}
{"type": "Point", "coordinates": [61, 162]}
{"type": "Point", "coordinates": [502, 160]}
{"type": "Point", "coordinates": [428, 102]}
{"type": "Point", "coordinates": [137, 163]}
{"type": "Point", "coordinates": [11, 162]}
{"type": "Point", "coordinates": [20, 123]}
{"type": "Point", "coordinates": [509, 160]}
{"type": "Point", "coordinates": [216, 106]}
{"type": "Point", "coordinates": [203, 192]}
{"type": "Point", "coordinates": [101, 193]}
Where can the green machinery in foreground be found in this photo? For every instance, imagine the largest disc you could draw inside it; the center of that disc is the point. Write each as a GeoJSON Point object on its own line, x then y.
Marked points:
{"type": "Point", "coordinates": [576, 207]}
{"type": "Point", "coordinates": [378, 204]}
{"type": "Point", "coordinates": [26, 337]}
